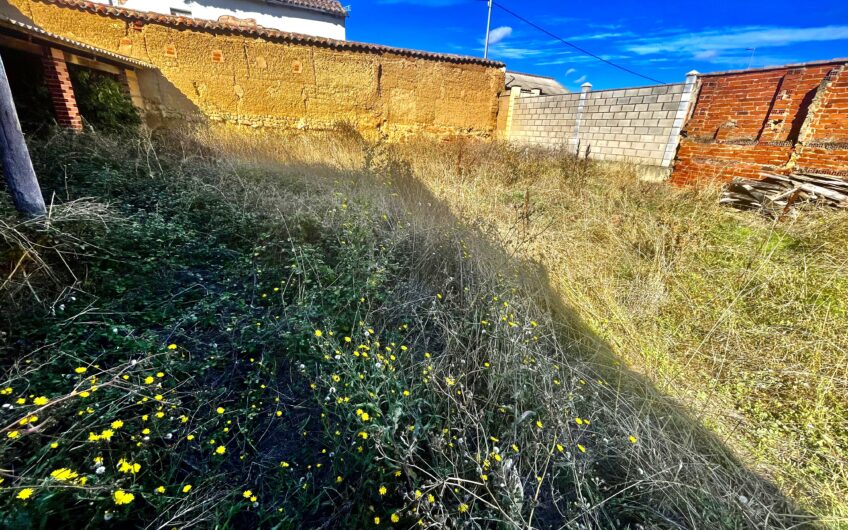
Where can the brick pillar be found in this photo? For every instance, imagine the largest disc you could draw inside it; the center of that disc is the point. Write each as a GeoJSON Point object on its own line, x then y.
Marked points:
{"type": "Point", "coordinates": [514, 93]}
{"type": "Point", "coordinates": [61, 91]}
{"type": "Point", "coordinates": [585, 88]}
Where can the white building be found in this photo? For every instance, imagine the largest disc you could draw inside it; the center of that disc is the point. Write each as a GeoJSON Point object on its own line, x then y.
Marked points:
{"type": "Point", "coordinates": [320, 18]}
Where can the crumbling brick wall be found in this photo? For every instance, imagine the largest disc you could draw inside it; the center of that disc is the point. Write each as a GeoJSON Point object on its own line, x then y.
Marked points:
{"type": "Point", "coordinates": [262, 78]}
{"type": "Point", "coordinates": [771, 119]}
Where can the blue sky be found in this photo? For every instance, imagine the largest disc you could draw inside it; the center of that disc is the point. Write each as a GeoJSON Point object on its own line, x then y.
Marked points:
{"type": "Point", "coordinates": [662, 40]}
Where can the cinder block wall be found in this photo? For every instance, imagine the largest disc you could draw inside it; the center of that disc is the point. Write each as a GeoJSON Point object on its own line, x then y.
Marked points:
{"type": "Point", "coordinates": [773, 119]}
{"type": "Point", "coordinates": [206, 72]}
{"type": "Point", "coordinates": [639, 125]}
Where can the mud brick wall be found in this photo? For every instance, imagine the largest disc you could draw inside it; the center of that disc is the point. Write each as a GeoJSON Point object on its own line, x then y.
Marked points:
{"type": "Point", "coordinates": [772, 119]}
{"type": "Point", "coordinates": [209, 72]}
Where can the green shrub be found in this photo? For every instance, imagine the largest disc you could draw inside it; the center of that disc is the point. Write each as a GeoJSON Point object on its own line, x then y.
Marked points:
{"type": "Point", "coordinates": [103, 102]}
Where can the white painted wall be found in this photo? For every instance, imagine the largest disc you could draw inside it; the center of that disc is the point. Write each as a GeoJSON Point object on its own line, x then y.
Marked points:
{"type": "Point", "coordinates": [284, 18]}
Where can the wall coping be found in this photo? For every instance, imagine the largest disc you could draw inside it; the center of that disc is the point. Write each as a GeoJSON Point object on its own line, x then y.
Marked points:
{"type": "Point", "coordinates": [843, 60]}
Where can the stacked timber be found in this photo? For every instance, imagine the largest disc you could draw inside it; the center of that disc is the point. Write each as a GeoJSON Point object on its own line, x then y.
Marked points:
{"type": "Point", "coordinates": [776, 192]}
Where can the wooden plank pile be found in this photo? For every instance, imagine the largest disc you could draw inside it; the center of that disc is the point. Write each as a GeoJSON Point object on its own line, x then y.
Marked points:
{"type": "Point", "coordinates": [779, 193]}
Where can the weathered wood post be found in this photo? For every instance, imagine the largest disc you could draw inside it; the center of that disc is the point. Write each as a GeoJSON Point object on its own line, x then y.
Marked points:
{"type": "Point", "coordinates": [17, 166]}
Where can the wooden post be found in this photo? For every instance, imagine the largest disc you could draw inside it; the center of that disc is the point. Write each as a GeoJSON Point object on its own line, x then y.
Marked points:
{"type": "Point", "coordinates": [17, 166]}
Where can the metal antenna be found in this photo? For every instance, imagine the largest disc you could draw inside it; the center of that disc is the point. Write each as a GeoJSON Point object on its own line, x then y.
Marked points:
{"type": "Point", "coordinates": [751, 60]}
{"type": "Point", "coordinates": [488, 25]}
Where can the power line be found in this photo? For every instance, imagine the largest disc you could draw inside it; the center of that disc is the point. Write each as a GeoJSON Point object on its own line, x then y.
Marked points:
{"type": "Point", "coordinates": [578, 48]}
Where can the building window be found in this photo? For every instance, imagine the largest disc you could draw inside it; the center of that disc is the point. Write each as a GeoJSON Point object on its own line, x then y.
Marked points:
{"type": "Point", "coordinates": [180, 13]}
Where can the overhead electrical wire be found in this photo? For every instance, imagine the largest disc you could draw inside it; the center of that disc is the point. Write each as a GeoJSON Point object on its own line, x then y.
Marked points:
{"type": "Point", "coordinates": [578, 48]}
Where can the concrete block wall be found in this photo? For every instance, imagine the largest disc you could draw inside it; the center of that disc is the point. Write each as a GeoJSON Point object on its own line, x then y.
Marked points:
{"type": "Point", "coordinates": [639, 125]}
{"type": "Point", "coordinates": [777, 119]}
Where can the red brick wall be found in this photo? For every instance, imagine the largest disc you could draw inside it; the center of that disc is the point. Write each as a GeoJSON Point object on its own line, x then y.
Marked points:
{"type": "Point", "coordinates": [61, 91]}
{"type": "Point", "coordinates": [824, 147]}
{"type": "Point", "coordinates": [771, 119]}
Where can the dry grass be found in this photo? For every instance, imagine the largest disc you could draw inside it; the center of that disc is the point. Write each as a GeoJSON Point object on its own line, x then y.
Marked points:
{"type": "Point", "coordinates": [563, 301]}
{"type": "Point", "coordinates": [740, 319]}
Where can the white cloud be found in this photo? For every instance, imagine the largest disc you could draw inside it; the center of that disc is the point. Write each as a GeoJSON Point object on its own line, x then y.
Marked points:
{"type": "Point", "coordinates": [570, 71]}
{"type": "Point", "coordinates": [599, 36]}
{"type": "Point", "coordinates": [498, 34]}
{"type": "Point", "coordinates": [580, 79]}
{"type": "Point", "coordinates": [733, 38]}
{"type": "Point", "coordinates": [705, 55]}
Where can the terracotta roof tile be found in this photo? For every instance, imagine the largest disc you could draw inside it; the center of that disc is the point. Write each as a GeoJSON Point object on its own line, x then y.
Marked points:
{"type": "Point", "coordinates": [265, 33]}
{"type": "Point", "coordinates": [333, 7]}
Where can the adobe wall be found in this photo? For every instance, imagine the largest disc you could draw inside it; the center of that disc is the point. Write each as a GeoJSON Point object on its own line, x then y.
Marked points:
{"type": "Point", "coordinates": [228, 76]}
{"type": "Point", "coordinates": [776, 119]}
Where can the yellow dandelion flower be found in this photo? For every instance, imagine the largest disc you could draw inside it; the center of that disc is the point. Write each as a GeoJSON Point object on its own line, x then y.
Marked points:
{"type": "Point", "coordinates": [158, 397]}
{"type": "Point", "coordinates": [431, 498]}
{"type": "Point", "coordinates": [284, 464]}
{"type": "Point", "coordinates": [122, 497]}
{"type": "Point", "coordinates": [220, 450]}
{"type": "Point", "coordinates": [64, 474]}
{"type": "Point", "coordinates": [318, 332]}
{"type": "Point", "coordinates": [247, 494]}
{"type": "Point", "coordinates": [117, 424]}
{"type": "Point", "coordinates": [41, 400]}
{"type": "Point", "coordinates": [93, 437]}
{"type": "Point", "coordinates": [149, 380]}
{"type": "Point", "coordinates": [80, 369]}
{"type": "Point", "coordinates": [187, 488]}
{"type": "Point", "coordinates": [539, 424]}
{"type": "Point", "coordinates": [172, 346]}
{"type": "Point", "coordinates": [632, 439]}
{"type": "Point", "coordinates": [463, 508]}
{"type": "Point", "coordinates": [107, 434]}
{"type": "Point", "coordinates": [395, 518]}
{"type": "Point", "coordinates": [382, 491]}
{"type": "Point", "coordinates": [581, 448]}
{"type": "Point", "coordinates": [160, 489]}
{"type": "Point", "coordinates": [125, 466]}
{"type": "Point", "coordinates": [25, 494]}
{"type": "Point", "coordinates": [365, 416]}
{"type": "Point", "coordinates": [220, 410]}
{"type": "Point", "coordinates": [377, 520]}
{"type": "Point", "coordinates": [363, 435]}
{"type": "Point", "coordinates": [190, 437]}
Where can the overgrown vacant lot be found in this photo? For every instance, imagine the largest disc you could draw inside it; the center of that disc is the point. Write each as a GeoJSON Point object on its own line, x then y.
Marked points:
{"type": "Point", "coordinates": [322, 332]}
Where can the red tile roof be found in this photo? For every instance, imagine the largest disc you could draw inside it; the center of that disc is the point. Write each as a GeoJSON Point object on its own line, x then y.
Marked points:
{"type": "Point", "coordinates": [333, 7]}
{"type": "Point", "coordinates": [260, 32]}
